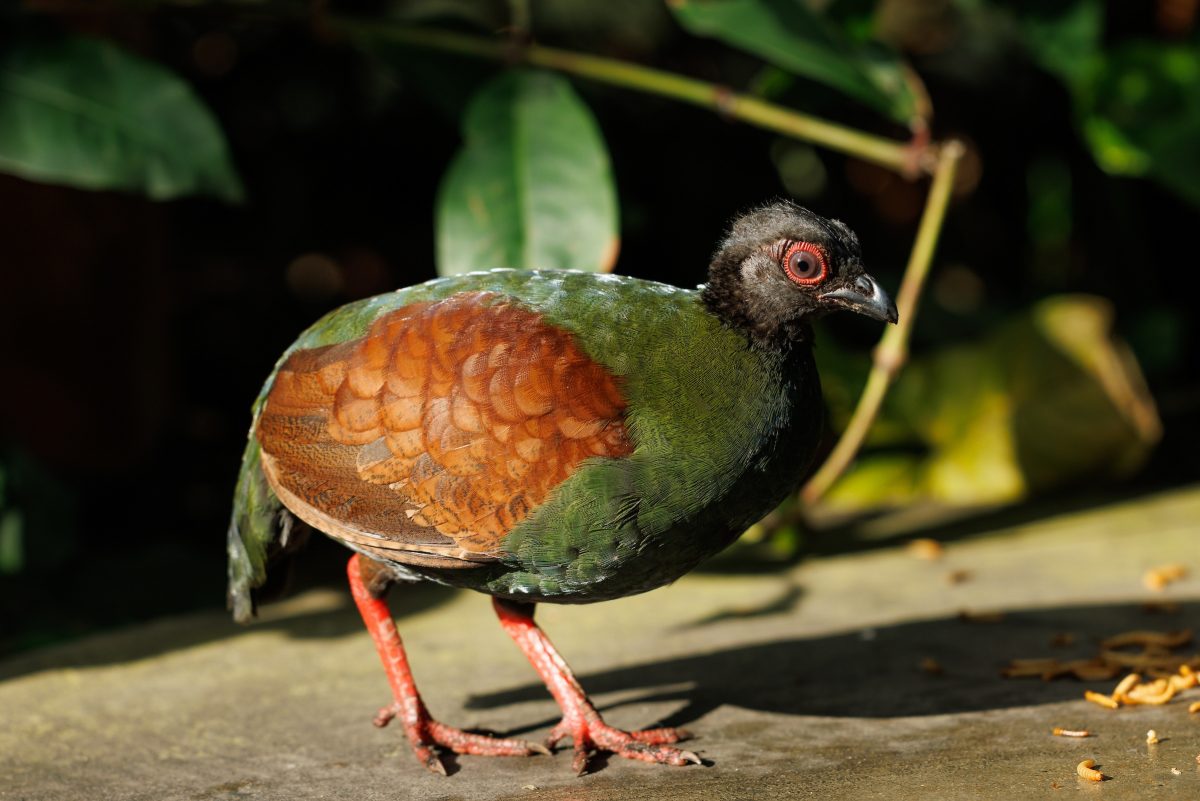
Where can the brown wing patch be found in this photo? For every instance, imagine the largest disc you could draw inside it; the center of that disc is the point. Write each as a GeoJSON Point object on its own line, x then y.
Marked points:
{"type": "Point", "coordinates": [432, 436]}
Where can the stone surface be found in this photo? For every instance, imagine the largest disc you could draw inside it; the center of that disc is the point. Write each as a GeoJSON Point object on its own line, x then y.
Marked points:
{"type": "Point", "coordinates": [804, 683]}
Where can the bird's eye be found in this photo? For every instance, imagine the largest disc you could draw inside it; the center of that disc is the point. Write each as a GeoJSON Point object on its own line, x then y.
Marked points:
{"type": "Point", "coordinates": [805, 263]}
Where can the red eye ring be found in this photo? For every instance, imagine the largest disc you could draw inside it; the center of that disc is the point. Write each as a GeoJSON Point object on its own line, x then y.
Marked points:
{"type": "Point", "coordinates": [805, 278]}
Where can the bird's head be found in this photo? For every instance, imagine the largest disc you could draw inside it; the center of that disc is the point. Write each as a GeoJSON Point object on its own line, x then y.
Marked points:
{"type": "Point", "coordinates": [781, 265]}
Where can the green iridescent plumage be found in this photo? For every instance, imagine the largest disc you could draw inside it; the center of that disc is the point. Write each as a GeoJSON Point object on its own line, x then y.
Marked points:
{"type": "Point", "coordinates": [711, 455]}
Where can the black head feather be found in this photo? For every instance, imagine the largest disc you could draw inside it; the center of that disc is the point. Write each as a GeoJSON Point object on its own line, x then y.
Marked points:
{"type": "Point", "coordinates": [750, 289]}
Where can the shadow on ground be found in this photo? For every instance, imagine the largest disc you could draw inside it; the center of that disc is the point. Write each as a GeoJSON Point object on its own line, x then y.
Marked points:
{"type": "Point", "coordinates": [874, 673]}
{"type": "Point", "coordinates": [160, 636]}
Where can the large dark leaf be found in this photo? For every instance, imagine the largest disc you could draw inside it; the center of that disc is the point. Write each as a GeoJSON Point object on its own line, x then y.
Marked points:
{"type": "Point", "coordinates": [532, 187]}
{"type": "Point", "coordinates": [84, 113]}
{"type": "Point", "coordinates": [788, 34]}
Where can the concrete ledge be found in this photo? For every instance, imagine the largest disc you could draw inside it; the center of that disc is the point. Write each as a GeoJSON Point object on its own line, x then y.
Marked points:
{"type": "Point", "coordinates": [799, 684]}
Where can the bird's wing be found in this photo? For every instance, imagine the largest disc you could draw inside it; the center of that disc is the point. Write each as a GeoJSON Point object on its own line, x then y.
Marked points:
{"type": "Point", "coordinates": [429, 438]}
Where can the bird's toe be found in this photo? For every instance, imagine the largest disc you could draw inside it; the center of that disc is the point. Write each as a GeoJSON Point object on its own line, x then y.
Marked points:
{"type": "Point", "coordinates": [429, 759]}
{"type": "Point", "coordinates": [464, 742]}
{"type": "Point", "coordinates": [579, 763]}
{"type": "Point", "coordinates": [661, 754]}
{"type": "Point", "coordinates": [660, 736]}
{"type": "Point", "coordinates": [646, 745]}
{"type": "Point", "coordinates": [385, 714]}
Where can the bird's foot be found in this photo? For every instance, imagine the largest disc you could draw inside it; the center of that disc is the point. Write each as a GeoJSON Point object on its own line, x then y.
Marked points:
{"type": "Point", "coordinates": [590, 734]}
{"type": "Point", "coordinates": [426, 734]}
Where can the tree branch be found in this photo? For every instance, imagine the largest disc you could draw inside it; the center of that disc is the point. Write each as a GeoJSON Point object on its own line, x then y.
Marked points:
{"type": "Point", "coordinates": [904, 157]}
{"type": "Point", "coordinates": [892, 351]}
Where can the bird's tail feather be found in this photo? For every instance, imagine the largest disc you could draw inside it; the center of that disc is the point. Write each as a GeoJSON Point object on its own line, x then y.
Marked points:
{"type": "Point", "coordinates": [259, 525]}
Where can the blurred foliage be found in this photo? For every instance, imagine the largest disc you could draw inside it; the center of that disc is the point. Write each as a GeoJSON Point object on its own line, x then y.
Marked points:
{"type": "Point", "coordinates": [795, 37]}
{"type": "Point", "coordinates": [86, 113]}
{"type": "Point", "coordinates": [12, 533]}
{"type": "Point", "coordinates": [532, 187]}
{"type": "Point", "coordinates": [1046, 399]}
{"type": "Point", "coordinates": [1144, 114]}
{"type": "Point", "coordinates": [37, 515]}
{"type": "Point", "coordinates": [143, 328]}
{"type": "Point", "coordinates": [1137, 102]}
{"type": "Point", "coordinates": [89, 114]}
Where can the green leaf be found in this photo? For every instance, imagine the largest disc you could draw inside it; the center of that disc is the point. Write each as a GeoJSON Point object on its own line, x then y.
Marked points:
{"type": "Point", "coordinates": [1046, 399]}
{"type": "Point", "coordinates": [1138, 104]}
{"type": "Point", "coordinates": [789, 35]}
{"type": "Point", "coordinates": [1142, 115]}
{"type": "Point", "coordinates": [85, 113]}
{"type": "Point", "coordinates": [532, 187]}
{"type": "Point", "coordinates": [1063, 37]}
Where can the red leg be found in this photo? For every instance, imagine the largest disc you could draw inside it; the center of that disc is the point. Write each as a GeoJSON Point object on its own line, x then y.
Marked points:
{"type": "Point", "coordinates": [423, 731]}
{"type": "Point", "coordinates": [580, 720]}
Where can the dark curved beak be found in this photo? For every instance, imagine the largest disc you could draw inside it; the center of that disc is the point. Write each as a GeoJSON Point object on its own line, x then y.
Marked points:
{"type": "Point", "coordinates": [864, 296]}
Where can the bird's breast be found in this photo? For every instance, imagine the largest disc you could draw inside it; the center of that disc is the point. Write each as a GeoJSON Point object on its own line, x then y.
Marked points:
{"type": "Point", "coordinates": [721, 433]}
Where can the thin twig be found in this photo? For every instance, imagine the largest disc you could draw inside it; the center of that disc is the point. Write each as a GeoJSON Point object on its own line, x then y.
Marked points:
{"type": "Point", "coordinates": [892, 350]}
{"type": "Point", "coordinates": [520, 18]}
{"type": "Point", "coordinates": [889, 153]}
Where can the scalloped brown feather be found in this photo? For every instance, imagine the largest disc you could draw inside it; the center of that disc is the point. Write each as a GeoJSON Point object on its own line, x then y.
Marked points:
{"type": "Point", "coordinates": [428, 439]}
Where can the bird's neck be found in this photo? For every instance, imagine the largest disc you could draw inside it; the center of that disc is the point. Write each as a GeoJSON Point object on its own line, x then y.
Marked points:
{"type": "Point", "coordinates": [724, 298]}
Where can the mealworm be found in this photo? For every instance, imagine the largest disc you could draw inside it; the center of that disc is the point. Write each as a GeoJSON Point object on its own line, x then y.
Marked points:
{"type": "Point", "coordinates": [1059, 731]}
{"type": "Point", "coordinates": [1157, 687]}
{"type": "Point", "coordinates": [1146, 698]}
{"type": "Point", "coordinates": [1159, 577]}
{"type": "Point", "coordinates": [1086, 771]}
{"type": "Point", "coordinates": [1102, 700]}
{"type": "Point", "coordinates": [925, 549]}
{"type": "Point", "coordinates": [1183, 682]}
{"type": "Point", "coordinates": [1126, 684]}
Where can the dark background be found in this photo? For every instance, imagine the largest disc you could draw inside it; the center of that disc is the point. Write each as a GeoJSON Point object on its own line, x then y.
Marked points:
{"type": "Point", "coordinates": [137, 333]}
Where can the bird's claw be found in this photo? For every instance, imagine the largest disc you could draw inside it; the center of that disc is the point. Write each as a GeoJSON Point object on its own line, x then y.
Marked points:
{"type": "Point", "coordinates": [426, 735]}
{"type": "Point", "coordinates": [647, 745]}
{"type": "Point", "coordinates": [385, 714]}
{"type": "Point", "coordinates": [431, 761]}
